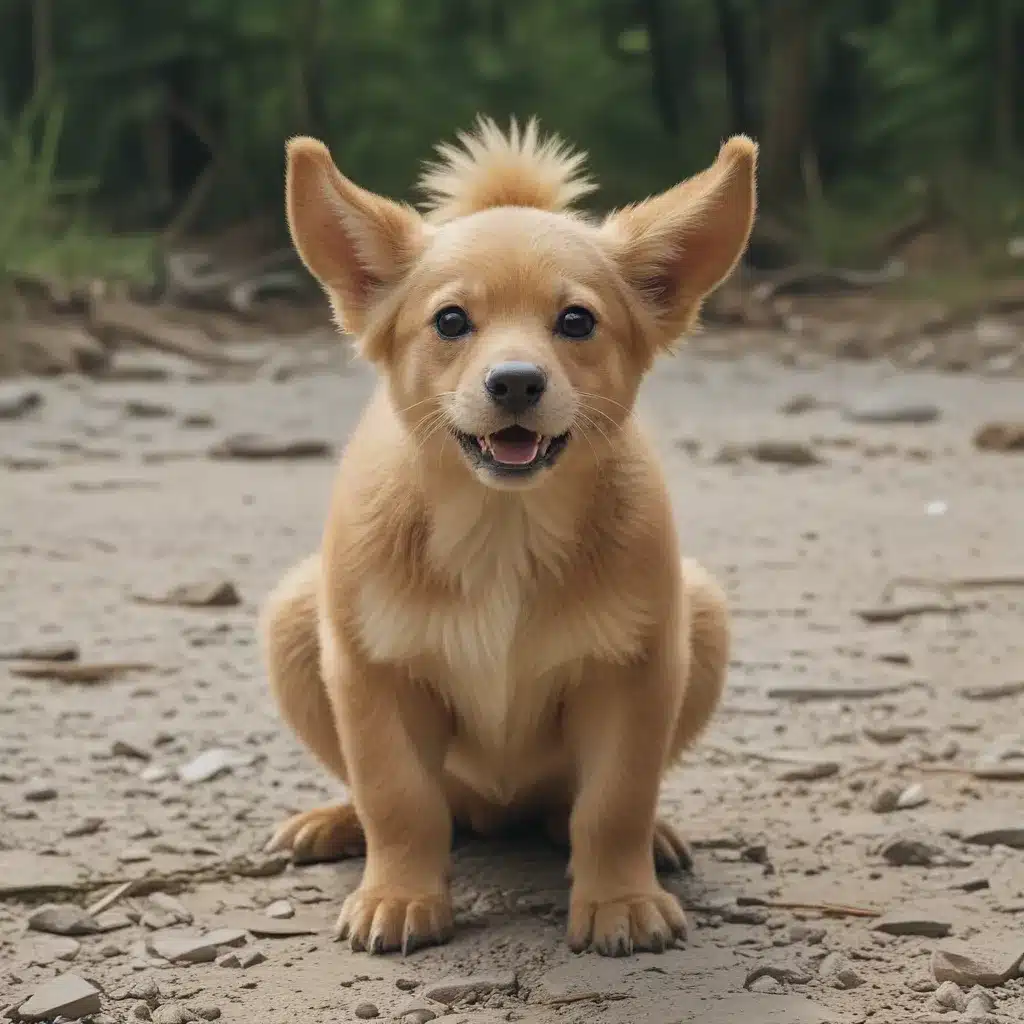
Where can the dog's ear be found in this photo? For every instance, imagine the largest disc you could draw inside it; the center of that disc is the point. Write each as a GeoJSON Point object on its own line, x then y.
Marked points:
{"type": "Point", "coordinates": [678, 246]}
{"type": "Point", "coordinates": [357, 244]}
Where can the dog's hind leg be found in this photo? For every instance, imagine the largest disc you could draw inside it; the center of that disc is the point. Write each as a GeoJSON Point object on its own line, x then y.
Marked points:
{"type": "Point", "coordinates": [292, 655]}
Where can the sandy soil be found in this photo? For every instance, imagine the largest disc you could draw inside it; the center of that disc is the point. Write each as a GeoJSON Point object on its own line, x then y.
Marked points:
{"type": "Point", "coordinates": [109, 494]}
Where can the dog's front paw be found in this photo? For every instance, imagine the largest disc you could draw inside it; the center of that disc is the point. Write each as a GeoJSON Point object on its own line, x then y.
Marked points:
{"type": "Point", "coordinates": [384, 920]}
{"type": "Point", "coordinates": [634, 922]}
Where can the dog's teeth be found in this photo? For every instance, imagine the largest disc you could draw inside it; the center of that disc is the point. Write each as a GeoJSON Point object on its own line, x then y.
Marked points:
{"type": "Point", "coordinates": [544, 446]}
{"type": "Point", "coordinates": [484, 444]}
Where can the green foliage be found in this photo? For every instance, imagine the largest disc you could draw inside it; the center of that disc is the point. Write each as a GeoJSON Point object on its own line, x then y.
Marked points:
{"type": "Point", "coordinates": [186, 106]}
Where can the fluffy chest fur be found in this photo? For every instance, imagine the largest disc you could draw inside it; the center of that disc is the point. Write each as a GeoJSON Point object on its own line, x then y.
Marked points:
{"type": "Point", "coordinates": [511, 625]}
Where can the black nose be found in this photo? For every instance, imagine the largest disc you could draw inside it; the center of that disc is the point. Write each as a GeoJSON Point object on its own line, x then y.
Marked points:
{"type": "Point", "coordinates": [515, 386]}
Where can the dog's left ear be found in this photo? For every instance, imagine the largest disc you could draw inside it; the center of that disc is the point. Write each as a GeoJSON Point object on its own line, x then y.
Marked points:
{"type": "Point", "coordinates": [680, 245]}
{"type": "Point", "coordinates": [357, 244]}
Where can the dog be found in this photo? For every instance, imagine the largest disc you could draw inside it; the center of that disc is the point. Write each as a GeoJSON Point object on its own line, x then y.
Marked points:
{"type": "Point", "coordinates": [499, 626]}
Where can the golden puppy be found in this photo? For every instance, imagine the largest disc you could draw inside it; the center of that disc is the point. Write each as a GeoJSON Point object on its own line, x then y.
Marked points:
{"type": "Point", "coordinates": [498, 624]}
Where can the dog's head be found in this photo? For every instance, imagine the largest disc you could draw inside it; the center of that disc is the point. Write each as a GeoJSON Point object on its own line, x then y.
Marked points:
{"type": "Point", "coordinates": [512, 331]}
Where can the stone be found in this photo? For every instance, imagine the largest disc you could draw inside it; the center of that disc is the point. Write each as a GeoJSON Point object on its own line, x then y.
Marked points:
{"type": "Point", "coordinates": [950, 996]}
{"type": "Point", "coordinates": [251, 958]}
{"type": "Point", "coordinates": [366, 1011]}
{"type": "Point", "coordinates": [812, 771]}
{"type": "Point", "coordinates": [212, 593]}
{"type": "Point", "coordinates": [42, 652]}
{"type": "Point", "coordinates": [416, 1012]}
{"type": "Point", "coordinates": [190, 948]}
{"type": "Point", "coordinates": [145, 989]}
{"type": "Point", "coordinates": [17, 401]}
{"type": "Point", "coordinates": [172, 907]}
{"type": "Point", "coordinates": [173, 1013]}
{"type": "Point", "coordinates": [978, 1003]}
{"type": "Point", "coordinates": [913, 796]}
{"type": "Point", "coordinates": [140, 1011]}
{"type": "Point", "coordinates": [140, 409]}
{"type": "Point", "coordinates": [280, 910]}
{"type": "Point", "coordinates": [813, 935]}
{"type": "Point", "coordinates": [45, 951]}
{"type": "Point", "coordinates": [1008, 835]}
{"type": "Point", "coordinates": [39, 793]}
{"type": "Point", "coordinates": [836, 970]}
{"type": "Point", "coordinates": [886, 799]}
{"type": "Point", "coordinates": [977, 963]}
{"type": "Point", "coordinates": [65, 996]}
{"type": "Point", "coordinates": [1000, 436]}
{"type": "Point", "coordinates": [784, 974]}
{"type": "Point", "coordinates": [126, 748]}
{"type": "Point", "coordinates": [800, 693]}
{"type": "Point", "coordinates": [767, 986]}
{"type": "Point", "coordinates": [889, 409]}
{"type": "Point", "coordinates": [264, 927]}
{"type": "Point", "coordinates": [261, 447]}
{"type": "Point", "coordinates": [23, 873]}
{"type": "Point", "coordinates": [992, 691]}
{"type": "Point", "coordinates": [908, 851]}
{"type": "Point", "coordinates": [914, 922]}
{"type": "Point", "coordinates": [229, 960]}
{"type": "Point", "coordinates": [206, 1012]}
{"type": "Point", "coordinates": [84, 827]}
{"type": "Point", "coordinates": [451, 990]}
{"type": "Point", "coordinates": [209, 764]}
{"type": "Point", "coordinates": [63, 919]}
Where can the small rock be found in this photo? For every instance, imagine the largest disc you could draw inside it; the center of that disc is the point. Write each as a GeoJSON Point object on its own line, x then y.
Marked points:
{"type": "Point", "coordinates": [812, 935]}
{"type": "Point", "coordinates": [784, 453]}
{"type": "Point", "coordinates": [62, 919]}
{"type": "Point", "coordinates": [766, 986]}
{"type": "Point", "coordinates": [145, 989]}
{"type": "Point", "coordinates": [84, 827]}
{"type": "Point", "coordinates": [812, 771]}
{"type": "Point", "coordinates": [140, 1011]}
{"type": "Point", "coordinates": [949, 995]}
{"type": "Point", "coordinates": [197, 420]}
{"type": "Point", "coordinates": [192, 949]}
{"type": "Point", "coordinates": [65, 996]}
{"type": "Point", "coordinates": [366, 1011]}
{"type": "Point", "coordinates": [45, 951]}
{"type": "Point", "coordinates": [216, 593]}
{"type": "Point", "coordinates": [175, 909]}
{"type": "Point", "coordinates": [126, 748]}
{"type": "Point", "coordinates": [890, 409]}
{"type": "Point", "coordinates": [911, 922]}
{"type": "Point", "coordinates": [172, 1013]}
{"type": "Point", "coordinates": [886, 799]}
{"type": "Point", "coordinates": [206, 1012]}
{"type": "Point", "coordinates": [913, 796]}
{"type": "Point", "coordinates": [40, 793]}
{"type": "Point", "coordinates": [42, 652]}
{"type": "Point", "coordinates": [210, 764]}
{"type": "Point", "coordinates": [886, 735]}
{"type": "Point", "coordinates": [1011, 835]}
{"type": "Point", "coordinates": [1003, 436]}
{"type": "Point", "coordinates": [136, 853]}
{"type": "Point", "coordinates": [229, 960]}
{"type": "Point", "coordinates": [800, 404]}
{"type": "Point", "coordinates": [992, 691]}
{"type": "Point", "coordinates": [260, 447]}
{"type": "Point", "coordinates": [251, 958]}
{"type": "Point", "coordinates": [16, 401]}
{"type": "Point", "coordinates": [978, 1003]}
{"type": "Point", "coordinates": [781, 974]}
{"type": "Point", "coordinates": [416, 1012]}
{"type": "Point", "coordinates": [451, 990]}
{"type": "Point", "coordinates": [142, 410]}
{"type": "Point", "coordinates": [406, 984]}
{"type": "Point", "coordinates": [264, 927]}
{"type": "Point", "coordinates": [280, 909]}
{"type": "Point", "coordinates": [906, 851]}
{"type": "Point", "coordinates": [976, 964]}
{"type": "Point", "coordinates": [836, 970]}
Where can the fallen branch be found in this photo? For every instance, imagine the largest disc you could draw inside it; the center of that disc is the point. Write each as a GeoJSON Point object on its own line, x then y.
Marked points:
{"type": "Point", "coordinates": [586, 997]}
{"type": "Point", "coordinates": [79, 672]}
{"type": "Point", "coordinates": [899, 612]}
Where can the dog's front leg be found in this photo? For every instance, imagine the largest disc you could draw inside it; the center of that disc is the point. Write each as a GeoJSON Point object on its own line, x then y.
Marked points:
{"type": "Point", "coordinates": [618, 725]}
{"type": "Point", "coordinates": [394, 735]}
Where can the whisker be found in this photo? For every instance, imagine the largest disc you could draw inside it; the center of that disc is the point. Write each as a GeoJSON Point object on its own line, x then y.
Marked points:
{"type": "Point", "coordinates": [586, 437]}
{"type": "Point", "coordinates": [423, 401]}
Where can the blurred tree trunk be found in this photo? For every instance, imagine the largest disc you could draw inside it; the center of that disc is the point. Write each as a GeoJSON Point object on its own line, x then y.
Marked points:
{"type": "Point", "coordinates": [42, 43]}
{"type": "Point", "coordinates": [787, 102]}
{"type": "Point", "coordinates": [734, 61]}
{"type": "Point", "coordinates": [665, 99]}
{"type": "Point", "coordinates": [1003, 79]}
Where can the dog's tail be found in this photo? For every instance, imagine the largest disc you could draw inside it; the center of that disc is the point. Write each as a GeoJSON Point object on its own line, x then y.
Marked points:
{"type": "Point", "coordinates": [491, 169]}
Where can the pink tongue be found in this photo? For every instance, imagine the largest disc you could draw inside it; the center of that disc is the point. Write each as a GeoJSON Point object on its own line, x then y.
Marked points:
{"type": "Point", "coordinates": [514, 453]}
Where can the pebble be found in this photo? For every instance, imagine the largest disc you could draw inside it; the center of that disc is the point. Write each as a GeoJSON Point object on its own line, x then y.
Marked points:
{"type": "Point", "coordinates": [992, 691]}
{"type": "Point", "coordinates": [140, 1011]}
{"type": "Point", "coordinates": [65, 996]}
{"type": "Point", "coordinates": [209, 764]}
{"type": "Point", "coordinates": [886, 799]}
{"type": "Point", "coordinates": [142, 410]}
{"type": "Point", "coordinates": [781, 974]}
{"type": "Point", "coordinates": [811, 934]}
{"type": "Point", "coordinates": [264, 927]}
{"type": "Point", "coordinates": [126, 748]}
{"type": "Point", "coordinates": [84, 827]}
{"type": "Point", "coordinates": [260, 447]}
{"type": "Point", "coordinates": [42, 652]}
{"type": "Point", "coordinates": [907, 851]}
{"type": "Point", "coordinates": [193, 949]}
{"type": "Point", "coordinates": [251, 958]}
{"type": "Point", "coordinates": [62, 919]}
{"type": "Point", "coordinates": [207, 1012]}
{"type": "Point", "coordinates": [145, 989]}
{"type": "Point", "coordinates": [169, 905]}
{"type": "Point", "coordinates": [39, 793]}
{"type": "Point", "coordinates": [213, 593]}
{"type": "Point", "coordinates": [1010, 835]}
{"type": "Point", "coordinates": [172, 1013]}
{"type": "Point", "coordinates": [17, 401]}
{"type": "Point", "coordinates": [280, 909]}
{"type": "Point", "coordinates": [451, 990]}
{"type": "Point", "coordinates": [416, 1012]}
{"type": "Point", "coordinates": [366, 1011]}
{"type": "Point", "coordinates": [950, 995]}
{"type": "Point", "coordinates": [767, 986]}
{"type": "Point", "coordinates": [229, 960]}
{"type": "Point", "coordinates": [913, 796]}
{"type": "Point", "coordinates": [836, 970]}
{"type": "Point", "coordinates": [45, 951]}
{"type": "Point", "coordinates": [914, 922]}
{"type": "Point", "coordinates": [810, 772]}
{"type": "Point", "coordinates": [976, 964]}
{"type": "Point", "coordinates": [890, 409]}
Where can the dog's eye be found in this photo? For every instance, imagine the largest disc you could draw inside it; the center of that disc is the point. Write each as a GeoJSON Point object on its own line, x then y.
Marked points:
{"type": "Point", "coordinates": [452, 322]}
{"type": "Point", "coordinates": [576, 323]}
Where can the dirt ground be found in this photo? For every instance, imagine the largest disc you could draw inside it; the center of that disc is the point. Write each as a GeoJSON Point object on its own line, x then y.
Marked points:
{"type": "Point", "coordinates": [850, 835]}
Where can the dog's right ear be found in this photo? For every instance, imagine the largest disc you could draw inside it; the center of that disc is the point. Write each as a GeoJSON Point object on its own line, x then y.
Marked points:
{"type": "Point", "coordinates": [357, 244]}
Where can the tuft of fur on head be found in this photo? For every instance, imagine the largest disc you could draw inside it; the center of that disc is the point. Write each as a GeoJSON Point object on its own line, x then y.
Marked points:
{"type": "Point", "coordinates": [492, 169]}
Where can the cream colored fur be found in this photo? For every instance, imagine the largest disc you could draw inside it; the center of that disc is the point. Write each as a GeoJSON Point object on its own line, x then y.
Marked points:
{"type": "Point", "coordinates": [472, 650]}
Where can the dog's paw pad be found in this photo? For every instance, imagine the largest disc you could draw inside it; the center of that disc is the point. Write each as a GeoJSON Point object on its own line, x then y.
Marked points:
{"type": "Point", "coordinates": [377, 921]}
{"type": "Point", "coordinates": [631, 924]}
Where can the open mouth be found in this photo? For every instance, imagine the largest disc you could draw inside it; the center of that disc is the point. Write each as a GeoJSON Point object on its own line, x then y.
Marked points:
{"type": "Point", "coordinates": [513, 450]}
